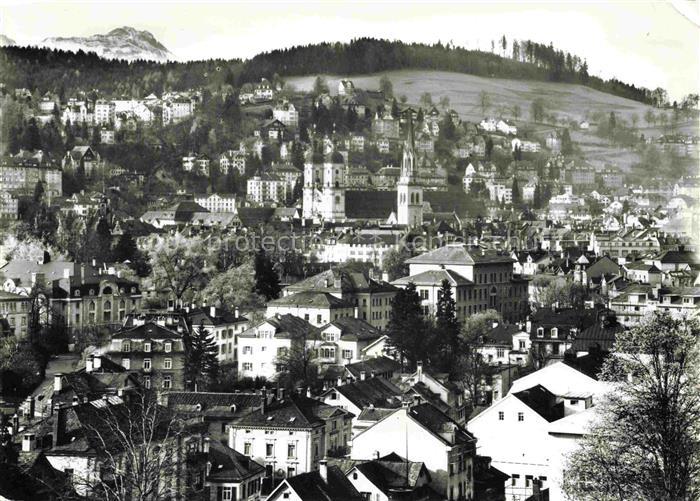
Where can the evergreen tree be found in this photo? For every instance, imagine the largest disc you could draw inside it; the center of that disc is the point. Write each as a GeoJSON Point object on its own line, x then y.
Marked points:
{"type": "Point", "coordinates": [38, 192]}
{"type": "Point", "coordinates": [31, 138]}
{"type": "Point", "coordinates": [407, 329]}
{"type": "Point", "coordinates": [515, 191]}
{"type": "Point", "coordinates": [447, 329]}
{"type": "Point", "coordinates": [395, 109]}
{"type": "Point", "coordinates": [126, 249]}
{"type": "Point", "coordinates": [267, 281]}
{"type": "Point", "coordinates": [537, 197]}
{"type": "Point", "coordinates": [567, 148]}
{"type": "Point", "coordinates": [201, 362]}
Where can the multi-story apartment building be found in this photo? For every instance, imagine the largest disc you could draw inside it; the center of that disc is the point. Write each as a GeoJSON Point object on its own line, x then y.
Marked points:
{"type": "Point", "coordinates": [386, 126]}
{"type": "Point", "coordinates": [626, 242]}
{"type": "Point", "coordinates": [480, 280]}
{"type": "Point", "coordinates": [232, 160]}
{"type": "Point", "coordinates": [290, 436]}
{"type": "Point", "coordinates": [318, 308]}
{"type": "Point", "coordinates": [82, 157]}
{"type": "Point", "coordinates": [153, 352]}
{"type": "Point", "coordinates": [223, 327]}
{"type": "Point", "coordinates": [640, 300]}
{"type": "Point", "coordinates": [9, 207]}
{"type": "Point", "coordinates": [288, 173]}
{"type": "Point", "coordinates": [424, 434]}
{"type": "Point", "coordinates": [93, 297]}
{"type": "Point", "coordinates": [14, 314]}
{"type": "Point", "coordinates": [177, 109]}
{"type": "Point", "coordinates": [104, 112]}
{"type": "Point", "coordinates": [262, 348]}
{"type": "Point", "coordinates": [20, 173]}
{"type": "Point", "coordinates": [217, 202]}
{"type": "Point", "coordinates": [372, 297]}
{"type": "Point", "coordinates": [286, 113]}
{"type": "Point", "coordinates": [266, 187]}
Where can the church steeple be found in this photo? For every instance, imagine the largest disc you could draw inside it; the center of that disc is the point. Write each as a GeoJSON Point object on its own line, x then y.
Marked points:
{"type": "Point", "coordinates": [409, 152]}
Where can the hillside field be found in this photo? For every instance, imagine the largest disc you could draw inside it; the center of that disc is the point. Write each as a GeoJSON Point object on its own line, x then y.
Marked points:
{"type": "Point", "coordinates": [566, 101]}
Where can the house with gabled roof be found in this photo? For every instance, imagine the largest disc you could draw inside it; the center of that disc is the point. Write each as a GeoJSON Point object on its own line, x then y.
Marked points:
{"type": "Point", "coordinates": [291, 435]}
{"type": "Point", "coordinates": [424, 434]}
{"type": "Point", "coordinates": [328, 482]}
{"type": "Point", "coordinates": [231, 475]}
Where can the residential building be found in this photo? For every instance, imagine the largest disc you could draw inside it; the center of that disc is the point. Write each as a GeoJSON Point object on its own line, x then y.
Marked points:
{"type": "Point", "coordinates": [231, 476]}
{"type": "Point", "coordinates": [14, 314]}
{"type": "Point", "coordinates": [154, 352]}
{"type": "Point", "coordinates": [217, 202]}
{"type": "Point", "coordinates": [9, 208]}
{"type": "Point", "coordinates": [429, 436]}
{"type": "Point", "coordinates": [390, 478]}
{"type": "Point", "coordinates": [263, 91]}
{"type": "Point", "coordinates": [106, 135]}
{"type": "Point", "coordinates": [82, 158]}
{"type": "Point", "coordinates": [262, 347]}
{"type": "Point", "coordinates": [329, 482]}
{"type": "Point", "coordinates": [20, 173]}
{"type": "Point", "coordinates": [553, 331]}
{"type": "Point", "coordinates": [104, 112]}
{"type": "Point", "coordinates": [319, 308]}
{"type": "Point", "coordinates": [490, 274]}
{"type": "Point", "coordinates": [505, 344]}
{"type": "Point", "coordinates": [346, 87]}
{"type": "Point", "coordinates": [286, 113]}
{"type": "Point", "coordinates": [223, 327]}
{"type": "Point", "coordinates": [232, 160]}
{"type": "Point", "coordinates": [290, 436]}
{"type": "Point", "coordinates": [289, 174]}
{"type": "Point", "coordinates": [265, 187]}
{"type": "Point", "coordinates": [637, 301]}
{"type": "Point", "coordinates": [372, 296]}
{"type": "Point", "coordinates": [385, 126]}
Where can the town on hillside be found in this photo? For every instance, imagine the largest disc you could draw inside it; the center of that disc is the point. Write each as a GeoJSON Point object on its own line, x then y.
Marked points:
{"type": "Point", "coordinates": [253, 291]}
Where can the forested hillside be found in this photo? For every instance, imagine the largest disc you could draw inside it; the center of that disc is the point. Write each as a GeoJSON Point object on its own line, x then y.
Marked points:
{"type": "Point", "coordinates": [66, 72]}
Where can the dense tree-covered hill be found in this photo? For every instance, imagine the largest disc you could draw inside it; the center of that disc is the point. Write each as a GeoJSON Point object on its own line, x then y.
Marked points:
{"type": "Point", "coordinates": [66, 72]}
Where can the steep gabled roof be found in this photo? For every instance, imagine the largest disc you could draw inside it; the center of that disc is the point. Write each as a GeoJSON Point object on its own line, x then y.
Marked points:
{"type": "Point", "coordinates": [228, 465]}
{"type": "Point", "coordinates": [149, 330]}
{"type": "Point", "coordinates": [312, 487]}
{"type": "Point", "coordinates": [372, 392]}
{"type": "Point", "coordinates": [542, 401]}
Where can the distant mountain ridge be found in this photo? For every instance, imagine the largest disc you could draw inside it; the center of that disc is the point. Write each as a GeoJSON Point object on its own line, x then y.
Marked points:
{"type": "Point", "coordinates": [121, 43]}
{"type": "Point", "coordinates": [5, 40]}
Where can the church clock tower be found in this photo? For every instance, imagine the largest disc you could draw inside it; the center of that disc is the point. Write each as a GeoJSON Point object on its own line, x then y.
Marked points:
{"type": "Point", "coordinates": [409, 193]}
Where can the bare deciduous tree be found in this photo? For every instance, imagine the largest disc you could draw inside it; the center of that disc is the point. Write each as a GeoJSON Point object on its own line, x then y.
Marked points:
{"type": "Point", "coordinates": [645, 444]}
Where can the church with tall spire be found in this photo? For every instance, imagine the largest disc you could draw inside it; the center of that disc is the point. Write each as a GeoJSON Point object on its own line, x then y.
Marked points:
{"type": "Point", "coordinates": [409, 192]}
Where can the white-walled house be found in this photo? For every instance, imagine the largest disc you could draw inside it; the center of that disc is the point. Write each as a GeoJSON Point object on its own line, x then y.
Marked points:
{"type": "Point", "coordinates": [318, 308]}
{"type": "Point", "coordinates": [260, 347]}
{"type": "Point", "coordinates": [429, 436]}
{"type": "Point", "coordinates": [291, 436]}
{"type": "Point", "coordinates": [513, 432]}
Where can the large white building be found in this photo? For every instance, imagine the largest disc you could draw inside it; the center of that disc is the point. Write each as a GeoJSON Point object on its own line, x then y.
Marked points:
{"type": "Point", "coordinates": [286, 113]}
{"type": "Point", "coordinates": [217, 202]}
{"type": "Point", "coordinates": [266, 187]}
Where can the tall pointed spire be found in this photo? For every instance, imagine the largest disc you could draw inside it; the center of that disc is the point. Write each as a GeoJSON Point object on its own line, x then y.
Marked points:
{"type": "Point", "coordinates": [409, 153]}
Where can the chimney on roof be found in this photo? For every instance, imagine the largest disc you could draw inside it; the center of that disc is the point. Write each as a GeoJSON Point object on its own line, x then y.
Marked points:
{"type": "Point", "coordinates": [57, 383]}
{"type": "Point", "coordinates": [357, 312]}
{"type": "Point", "coordinates": [339, 382]}
{"type": "Point", "coordinates": [89, 363]}
{"type": "Point", "coordinates": [308, 392]}
{"type": "Point", "coordinates": [419, 371]}
{"type": "Point", "coordinates": [205, 445]}
{"type": "Point", "coordinates": [323, 469]}
{"type": "Point", "coordinates": [59, 425]}
{"type": "Point", "coordinates": [212, 311]}
{"type": "Point", "coordinates": [494, 324]}
{"type": "Point", "coordinates": [28, 442]}
{"type": "Point", "coordinates": [96, 363]}
{"type": "Point", "coordinates": [263, 400]}
{"type": "Point", "coordinates": [363, 375]}
{"type": "Point", "coordinates": [15, 424]}
{"type": "Point", "coordinates": [235, 312]}
{"type": "Point", "coordinates": [280, 394]}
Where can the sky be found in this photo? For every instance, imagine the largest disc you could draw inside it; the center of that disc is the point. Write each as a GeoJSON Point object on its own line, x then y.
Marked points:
{"type": "Point", "coordinates": [651, 44]}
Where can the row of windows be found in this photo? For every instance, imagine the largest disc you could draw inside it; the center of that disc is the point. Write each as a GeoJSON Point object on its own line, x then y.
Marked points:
{"type": "Point", "coordinates": [148, 363]}
{"type": "Point", "coordinates": [148, 346]}
{"type": "Point", "coordinates": [502, 416]}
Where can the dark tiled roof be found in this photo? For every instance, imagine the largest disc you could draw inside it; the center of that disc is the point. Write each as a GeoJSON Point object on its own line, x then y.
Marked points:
{"type": "Point", "coordinates": [374, 414]}
{"type": "Point", "coordinates": [253, 216]}
{"type": "Point", "coordinates": [376, 392]}
{"type": "Point", "coordinates": [369, 204]}
{"type": "Point", "coordinates": [600, 335]}
{"type": "Point", "coordinates": [440, 424]}
{"type": "Point", "coordinates": [349, 281]}
{"type": "Point", "coordinates": [679, 257]}
{"type": "Point", "coordinates": [392, 472]}
{"type": "Point", "coordinates": [149, 330]}
{"type": "Point", "coordinates": [297, 413]}
{"type": "Point", "coordinates": [311, 299]}
{"type": "Point", "coordinates": [459, 254]}
{"type": "Point", "coordinates": [228, 465]}
{"type": "Point", "coordinates": [434, 277]}
{"type": "Point", "coordinates": [213, 404]}
{"type": "Point", "coordinates": [311, 487]}
{"type": "Point", "coordinates": [287, 326]}
{"type": "Point", "coordinates": [379, 365]}
{"type": "Point", "coordinates": [542, 401]}
{"type": "Point", "coordinates": [355, 329]}
{"type": "Point", "coordinates": [501, 334]}
{"type": "Point", "coordinates": [221, 316]}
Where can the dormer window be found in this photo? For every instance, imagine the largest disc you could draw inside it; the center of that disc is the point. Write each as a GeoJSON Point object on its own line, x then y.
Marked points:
{"type": "Point", "coordinates": [168, 346]}
{"type": "Point", "coordinates": [554, 332]}
{"type": "Point", "coordinates": [126, 346]}
{"type": "Point", "coordinates": [76, 293]}
{"type": "Point", "coordinates": [540, 332]}
{"type": "Point", "coordinates": [147, 346]}
{"type": "Point", "coordinates": [92, 292]}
